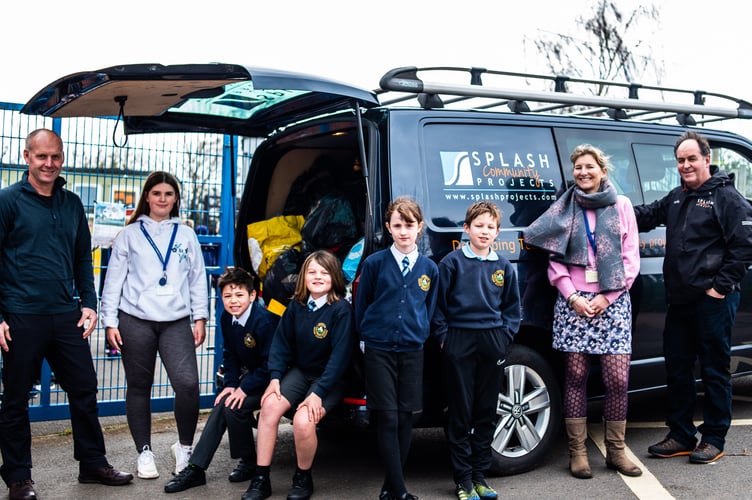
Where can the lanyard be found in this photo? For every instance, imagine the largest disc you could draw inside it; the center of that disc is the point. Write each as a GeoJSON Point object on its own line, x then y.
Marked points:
{"type": "Point", "coordinates": [590, 234]}
{"type": "Point", "coordinates": [163, 260]}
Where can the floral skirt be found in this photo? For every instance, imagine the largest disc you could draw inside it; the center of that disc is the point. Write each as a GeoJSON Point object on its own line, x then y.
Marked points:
{"type": "Point", "coordinates": [607, 333]}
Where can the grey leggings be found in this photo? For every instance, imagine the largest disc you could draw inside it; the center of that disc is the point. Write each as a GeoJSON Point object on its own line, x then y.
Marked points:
{"type": "Point", "coordinates": [173, 340]}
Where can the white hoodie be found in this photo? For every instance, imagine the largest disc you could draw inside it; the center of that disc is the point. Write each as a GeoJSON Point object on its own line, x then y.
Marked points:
{"type": "Point", "coordinates": [134, 271]}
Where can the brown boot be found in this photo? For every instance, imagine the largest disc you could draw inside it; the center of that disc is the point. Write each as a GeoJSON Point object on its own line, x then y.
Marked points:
{"type": "Point", "coordinates": [578, 460]}
{"type": "Point", "coordinates": [616, 458]}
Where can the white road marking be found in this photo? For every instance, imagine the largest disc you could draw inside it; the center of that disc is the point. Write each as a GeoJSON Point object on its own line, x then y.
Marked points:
{"type": "Point", "coordinates": [645, 486]}
{"type": "Point", "coordinates": [659, 425]}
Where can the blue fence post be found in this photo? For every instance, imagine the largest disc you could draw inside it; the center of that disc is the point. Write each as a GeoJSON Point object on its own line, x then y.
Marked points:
{"type": "Point", "coordinates": [227, 230]}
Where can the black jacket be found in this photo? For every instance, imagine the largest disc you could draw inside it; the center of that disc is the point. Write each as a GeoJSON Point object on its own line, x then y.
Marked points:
{"type": "Point", "coordinates": [708, 237]}
{"type": "Point", "coordinates": [246, 349]}
{"type": "Point", "coordinates": [45, 251]}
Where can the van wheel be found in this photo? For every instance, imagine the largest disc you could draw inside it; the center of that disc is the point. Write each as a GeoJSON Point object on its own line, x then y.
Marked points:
{"type": "Point", "coordinates": [529, 412]}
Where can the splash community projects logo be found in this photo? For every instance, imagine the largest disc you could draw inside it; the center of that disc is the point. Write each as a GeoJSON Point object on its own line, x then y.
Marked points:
{"type": "Point", "coordinates": [456, 168]}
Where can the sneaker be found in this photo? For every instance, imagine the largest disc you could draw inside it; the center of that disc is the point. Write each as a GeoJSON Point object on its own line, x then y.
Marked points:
{"type": "Point", "coordinates": [668, 448]}
{"type": "Point", "coordinates": [302, 486]}
{"type": "Point", "coordinates": [463, 494]}
{"type": "Point", "coordinates": [189, 477]}
{"type": "Point", "coordinates": [259, 489]}
{"type": "Point", "coordinates": [485, 492]}
{"type": "Point", "coordinates": [406, 496]}
{"type": "Point", "coordinates": [181, 454]}
{"type": "Point", "coordinates": [705, 453]}
{"type": "Point", "coordinates": [147, 469]}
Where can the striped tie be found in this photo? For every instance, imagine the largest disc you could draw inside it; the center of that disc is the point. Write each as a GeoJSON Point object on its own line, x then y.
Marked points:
{"type": "Point", "coordinates": [405, 266]}
{"type": "Point", "coordinates": [311, 305]}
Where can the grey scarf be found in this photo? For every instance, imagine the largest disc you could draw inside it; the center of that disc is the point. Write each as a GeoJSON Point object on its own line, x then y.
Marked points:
{"type": "Point", "coordinates": [561, 231]}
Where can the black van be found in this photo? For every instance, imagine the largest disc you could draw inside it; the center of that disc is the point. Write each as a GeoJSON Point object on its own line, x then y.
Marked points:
{"type": "Point", "coordinates": [447, 144]}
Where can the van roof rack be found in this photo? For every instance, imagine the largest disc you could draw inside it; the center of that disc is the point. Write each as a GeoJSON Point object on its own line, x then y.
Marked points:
{"type": "Point", "coordinates": [536, 93]}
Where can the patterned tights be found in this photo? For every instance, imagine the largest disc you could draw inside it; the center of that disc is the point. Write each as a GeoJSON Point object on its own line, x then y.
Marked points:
{"type": "Point", "coordinates": [615, 371]}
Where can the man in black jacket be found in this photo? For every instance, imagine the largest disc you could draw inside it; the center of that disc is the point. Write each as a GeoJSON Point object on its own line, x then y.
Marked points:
{"type": "Point", "coordinates": [708, 250]}
{"type": "Point", "coordinates": [47, 310]}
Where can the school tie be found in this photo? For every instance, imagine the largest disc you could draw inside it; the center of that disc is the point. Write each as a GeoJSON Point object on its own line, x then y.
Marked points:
{"type": "Point", "coordinates": [311, 305]}
{"type": "Point", "coordinates": [405, 266]}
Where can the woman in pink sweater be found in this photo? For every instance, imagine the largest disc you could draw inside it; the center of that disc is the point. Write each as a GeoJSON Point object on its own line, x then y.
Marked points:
{"type": "Point", "coordinates": [591, 235]}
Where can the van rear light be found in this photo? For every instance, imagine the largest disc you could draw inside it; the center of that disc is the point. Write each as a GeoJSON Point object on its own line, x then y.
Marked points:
{"type": "Point", "coordinates": [354, 401]}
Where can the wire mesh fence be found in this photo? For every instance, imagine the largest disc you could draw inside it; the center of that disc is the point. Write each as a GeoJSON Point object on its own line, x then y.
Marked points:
{"type": "Point", "coordinates": [107, 170]}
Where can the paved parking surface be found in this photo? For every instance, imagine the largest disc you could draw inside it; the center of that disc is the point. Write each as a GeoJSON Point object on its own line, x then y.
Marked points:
{"type": "Point", "coordinates": [347, 467]}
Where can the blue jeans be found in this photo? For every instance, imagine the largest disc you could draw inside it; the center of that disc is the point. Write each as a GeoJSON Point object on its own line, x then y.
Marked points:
{"type": "Point", "coordinates": [699, 331]}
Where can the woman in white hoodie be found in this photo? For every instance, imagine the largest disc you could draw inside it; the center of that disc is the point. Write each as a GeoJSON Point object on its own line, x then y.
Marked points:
{"type": "Point", "coordinates": [155, 300]}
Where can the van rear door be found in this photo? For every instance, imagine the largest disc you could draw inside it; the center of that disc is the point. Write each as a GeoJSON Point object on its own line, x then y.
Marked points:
{"type": "Point", "coordinates": [219, 98]}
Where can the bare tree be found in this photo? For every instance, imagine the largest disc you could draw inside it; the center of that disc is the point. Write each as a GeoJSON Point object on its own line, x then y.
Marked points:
{"type": "Point", "coordinates": [611, 44]}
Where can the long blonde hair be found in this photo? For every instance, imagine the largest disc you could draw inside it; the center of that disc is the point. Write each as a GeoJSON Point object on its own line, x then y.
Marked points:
{"type": "Point", "coordinates": [331, 263]}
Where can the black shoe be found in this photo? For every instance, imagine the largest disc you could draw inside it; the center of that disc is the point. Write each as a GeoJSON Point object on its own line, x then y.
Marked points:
{"type": "Point", "coordinates": [302, 486]}
{"type": "Point", "coordinates": [259, 489]}
{"type": "Point", "coordinates": [22, 490]}
{"type": "Point", "coordinates": [385, 495]}
{"type": "Point", "coordinates": [189, 477]}
{"type": "Point", "coordinates": [668, 448]}
{"type": "Point", "coordinates": [242, 472]}
{"type": "Point", "coordinates": [107, 475]}
{"type": "Point", "coordinates": [406, 496]}
{"type": "Point", "coordinates": [705, 453]}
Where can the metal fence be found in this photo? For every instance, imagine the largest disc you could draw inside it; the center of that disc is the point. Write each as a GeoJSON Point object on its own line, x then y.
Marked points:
{"type": "Point", "coordinates": [104, 172]}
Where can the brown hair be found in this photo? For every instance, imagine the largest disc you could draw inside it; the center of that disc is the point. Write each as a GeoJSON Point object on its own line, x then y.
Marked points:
{"type": "Point", "coordinates": [331, 263]}
{"type": "Point", "coordinates": [702, 141]}
{"type": "Point", "coordinates": [483, 207]}
{"type": "Point", "coordinates": [142, 208]}
{"type": "Point", "coordinates": [408, 209]}
{"type": "Point", "coordinates": [239, 277]}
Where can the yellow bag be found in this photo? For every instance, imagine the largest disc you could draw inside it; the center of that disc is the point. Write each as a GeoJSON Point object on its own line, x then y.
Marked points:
{"type": "Point", "coordinates": [267, 239]}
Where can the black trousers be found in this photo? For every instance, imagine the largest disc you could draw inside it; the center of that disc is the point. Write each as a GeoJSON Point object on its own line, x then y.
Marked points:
{"type": "Point", "coordinates": [474, 374]}
{"type": "Point", "coordinates": [237, 422]}
{"type": "Point", "coordinates": [58, 339]}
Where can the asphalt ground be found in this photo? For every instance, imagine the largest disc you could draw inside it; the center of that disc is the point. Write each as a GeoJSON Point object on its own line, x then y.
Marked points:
{"type": "Point", "coordinates": [347, 465]}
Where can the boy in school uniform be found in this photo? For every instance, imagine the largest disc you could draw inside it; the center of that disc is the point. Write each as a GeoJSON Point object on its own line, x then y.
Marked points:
{"type": "Point", "coordinates": [477, 316]}
{"type": "Point", "coordinates": [247, 331]}
{"type": "Point", "coordinates": [394, 304]}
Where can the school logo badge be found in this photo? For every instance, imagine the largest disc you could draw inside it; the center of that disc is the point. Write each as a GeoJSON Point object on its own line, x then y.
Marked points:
{"type": "Point", "coordinates": [249, 341]}
{"type": "Point", "coordinates": [498, 277]}
{"type": "Point", "coordinates": [320, 330]}
{"type": "Point", "coordinates": [424, 282]}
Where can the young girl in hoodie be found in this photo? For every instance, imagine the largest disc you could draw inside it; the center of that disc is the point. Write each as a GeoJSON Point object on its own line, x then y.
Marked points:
{"type": "Point", "coordinates": [155, 300]}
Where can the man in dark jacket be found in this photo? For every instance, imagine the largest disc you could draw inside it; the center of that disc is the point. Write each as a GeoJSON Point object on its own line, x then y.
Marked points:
{"type": "Point", "coordinates": [47, 310]}
{"type": "Point", "coordinates": [708, 250]}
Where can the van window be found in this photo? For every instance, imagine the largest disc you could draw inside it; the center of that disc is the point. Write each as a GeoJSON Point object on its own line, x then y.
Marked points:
{"type": "Point", "coordinates": [733, 163]}
{"type": "Point", "coordinates": [658, 172]}
{"type": "Point", "coordinates": [616, 145]}
{"type": "Point", "coordinates": [514, 167]}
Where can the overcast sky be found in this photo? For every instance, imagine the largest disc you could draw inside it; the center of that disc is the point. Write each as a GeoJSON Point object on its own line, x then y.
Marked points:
{"type": "Point", "coordinates": [704, 45]}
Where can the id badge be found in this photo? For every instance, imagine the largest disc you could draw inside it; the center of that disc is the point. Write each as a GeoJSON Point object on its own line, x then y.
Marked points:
{"type": "Point", "coordinates": [591, 276]}
{"type": "Point", "coordinates": [165, 289]}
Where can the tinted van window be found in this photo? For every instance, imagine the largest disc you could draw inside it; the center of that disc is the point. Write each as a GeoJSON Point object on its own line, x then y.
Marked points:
{"type": "Point", "coordinates": [734, 163]}
{"type": "Point", "coordinates": [515, 167]}
{"type": "Point", "coordinates": [617, 145]}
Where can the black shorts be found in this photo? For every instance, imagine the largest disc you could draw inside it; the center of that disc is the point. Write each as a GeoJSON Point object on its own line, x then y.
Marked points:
{"type": "Point", "coordinates": [394, 380]}
{"type": "Point", "coordinates": [295, 386]}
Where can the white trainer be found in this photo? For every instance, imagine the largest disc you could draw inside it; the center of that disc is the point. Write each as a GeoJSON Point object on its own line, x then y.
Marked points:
{"type": "Point", "coordinates": [181, 454]}
{"type": "Point", "coordinates": [147, 469]}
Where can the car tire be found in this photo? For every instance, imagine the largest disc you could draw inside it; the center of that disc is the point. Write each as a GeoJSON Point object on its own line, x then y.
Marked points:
{"type": "Point", "coordinates": [529, 413]}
